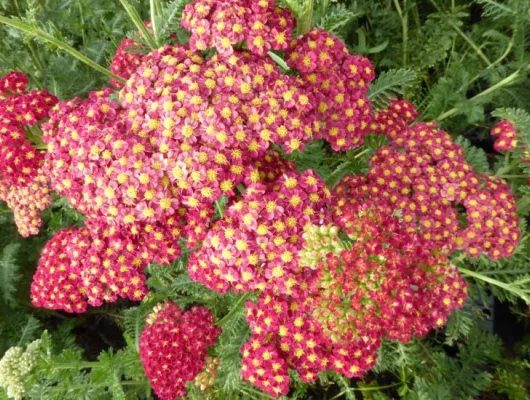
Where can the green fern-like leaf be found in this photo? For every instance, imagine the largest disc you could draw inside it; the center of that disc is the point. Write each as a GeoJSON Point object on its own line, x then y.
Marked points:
{"type": "Point", "coordinates": [475, 156]}
{"type": "Point", "coordinates": [389, 85]}
{"type": "Point", "coordinates": [338, 17]}
{"type": "Point", "coordinates": [170, 21]}
{"type": "Point", "coordinates": [29, 331]}
{"type": "Point", "coordinates": [134, 322]}
{"type": "Point", "coordinates": [497, 9]}
{"type": "Point", "coordinates": [459, 325]}
{"type": "Point", "coordinates": [9, 275]}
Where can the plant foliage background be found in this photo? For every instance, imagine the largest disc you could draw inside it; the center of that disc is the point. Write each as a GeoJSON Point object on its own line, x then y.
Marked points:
{"type": "Point", "coordinates": [464, 63]}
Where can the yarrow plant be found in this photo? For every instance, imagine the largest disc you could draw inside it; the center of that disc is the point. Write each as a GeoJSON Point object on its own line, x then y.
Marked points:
{"type": "Point", "coordinates": [200, 166]}
{"type": "Point", "coordinates": [173, 347]}
{"type": "Point", "coordinates": [23, 184]}
{"type": "Point", "coordinates": [15, 365]}
{"type": "Point", "coordinates": [505, 136]}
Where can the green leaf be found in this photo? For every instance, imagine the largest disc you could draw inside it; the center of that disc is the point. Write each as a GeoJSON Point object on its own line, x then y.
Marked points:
{"type": "Point", "coordinates": [9, 275]}
{"type": "Point", "coordinates": [337, 17]}
{"type": "Point", "coordinates": [29, 332]}
{"type": "Point", "coordinates": [134, 322]}
{"type": "Point", "coordinates": [170, 21]}
{"type": "Point", "coordinates": [389, 85]}
{"type": "Point", "coordinates": [475, 156]}
{"type": "Point", "coordinates": [459, 325]}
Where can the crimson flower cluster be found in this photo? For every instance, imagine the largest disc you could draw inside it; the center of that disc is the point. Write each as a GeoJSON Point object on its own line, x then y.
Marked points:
{"type": "Point", "coordinates": [225, 23]}
{"type": "Point", "coordinates": [125, 60]}
{"type": "Point", "coordinates": [387, 284]}
{"type": "Point", "coordinates": [22, 182]}
{"type": "Point", "coordinates": [79, 267]}
{"type": "Point", "coordinates": [424, 175]}
{"type": "Point", "coordinates": [337, 271]}
{"type": "Point", "coordinates": [506, 136]}
{"type": "Point", "coordinates": [257, 243]}
{"type": "Point", "coordinates": [173, 347]}
{"type": "Point", "coordinates": [338, 82]}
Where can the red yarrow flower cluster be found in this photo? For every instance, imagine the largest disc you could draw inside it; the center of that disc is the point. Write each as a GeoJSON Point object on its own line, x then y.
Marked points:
{"type": "Point", "coordinates": [19, 160]}
{"type": "Point", "coordinates": [424, 175]}
{"type": "Point", "coordinates": [125, 60]}
{"type": "Point", "coordinates": [395, 119]}
{"type": "Point", "coordinates": [27, 202]}
{"type": "Point", "coordinates": [79, 267]}
{"type": "Point", "coordinates": [225, 23]}
{"type": "Point", "coordinates": [339, 82]}
{"type": "Point", "coordinates": [173, 348]}
{"type": "Point", "coordinates": [108, 173]}
{"type": "Point", "coordinates": [13, 82]}
{"type": "Point", "coordinates": [257, 244]}
{"type": "Point", "coordinates": [386, 285]}
{"type": "Point", "coordinates": [22, 182]}
{"type": "Point", "coordinates": [505, 134]}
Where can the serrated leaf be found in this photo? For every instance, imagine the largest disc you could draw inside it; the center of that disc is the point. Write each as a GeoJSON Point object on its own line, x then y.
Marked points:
{"type": "Point", "coordinates": [389, 85]}
{"type": "Point", "coordinates": [134, 322]}
{"type": "Point", "coordinates": [9, 275]}
{"type": "Point", "coordinates": [475, 156]}
{"type": "Point", "coordinates": [169, 21]}
{"type": "Point", "coordinates": [337, 17]}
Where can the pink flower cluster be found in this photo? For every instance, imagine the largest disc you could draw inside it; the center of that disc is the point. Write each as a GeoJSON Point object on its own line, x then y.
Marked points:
{"type": "Point", "coordinates": [13, 82]}
{"type": "Point", "coordinates": [22, 183]}
{"type": "Point", "coordinates": [394, 120]}
{"type": "Point", "coordinates": [338, 82]}
{"type": "Point", "coordinates": [173, 348]}
{"type": "Point", "coordinates": [389, 284]}
{"type": "Point", "coordinates": [257, 244]}
{"type": "Point", "coordinates": [338, 271]}
{"type": "Point", "coordinates": [424, 175]}
{"type": "Point", "coordinates": [506, 136]}
{"type": "Point", "coordinates": [224, 24]}
{"type": "Point", "coordinates": [79, 267]}
{"type": "Point", "coordinates": [27, 202]}
{"type": "Point", "coordinates": [125, 61]}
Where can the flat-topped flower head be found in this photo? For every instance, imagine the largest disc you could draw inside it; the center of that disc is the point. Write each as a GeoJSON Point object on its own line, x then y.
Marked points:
{"type": "Point", "coordinates": [224, 24]}
{"type": "Point", "coordinates": [425, 177]}
{"type": "Point", "coordinates": [126, 60]}
{"type": "Point", "coordinates": [173, 348]}
{"type": "Point", "coordinates": [13, 82]}
{"type": "Point", "coordinates": [258, 242]}
{"type": "Point", "coordinates": [384, 283]}
{"type": "Point", "coordinates": [27, 202]}
{"type": "Point", "coordinates": [338, 83]}
{"type": "Point", "coordinates": [79, 267]}
{"type": "Point", "coordinates": [506, 136]}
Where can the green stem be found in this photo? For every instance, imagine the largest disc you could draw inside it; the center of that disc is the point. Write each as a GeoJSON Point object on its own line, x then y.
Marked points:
{"type": "Point", "coordinates": [509, 288]}
{"type": "Point", "coordinates": [305, 22]}
{"type": "Point", "coordinates": [362, 153]}
{"type": "Point", "coordinates": [155, 9]}
{"type": "Point", "coordinates": [404, 30]}
{"type": "Point", "coordinates": [78, 365]}
{"type": "Point", "coordinates": [504, 55]}
{"type": "Point", "coordinates": [91, 385]}
{"type": "Point", "coordinates": [35, 56]}
{"type": "Point", "coordinates": [137, 21]}
{"type": "Point", "coordinates": [465, 37]}
{"type": "Point", "coordinates": [234, 310]}
{"type": "Point", "coordinates": [34, 31]}
{"type": "Point", "coordinates": [505, 82]}
{"type": "Point", "coordinates": [82, 16]}
{"type": "Point", "coordinates": [512, 176]}
{"type": "Point", "coordinates": [367, 389]}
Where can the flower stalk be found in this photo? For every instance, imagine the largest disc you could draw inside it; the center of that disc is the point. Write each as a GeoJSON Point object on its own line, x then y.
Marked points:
{"type": "Point", "coordinates": [38, 33]}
